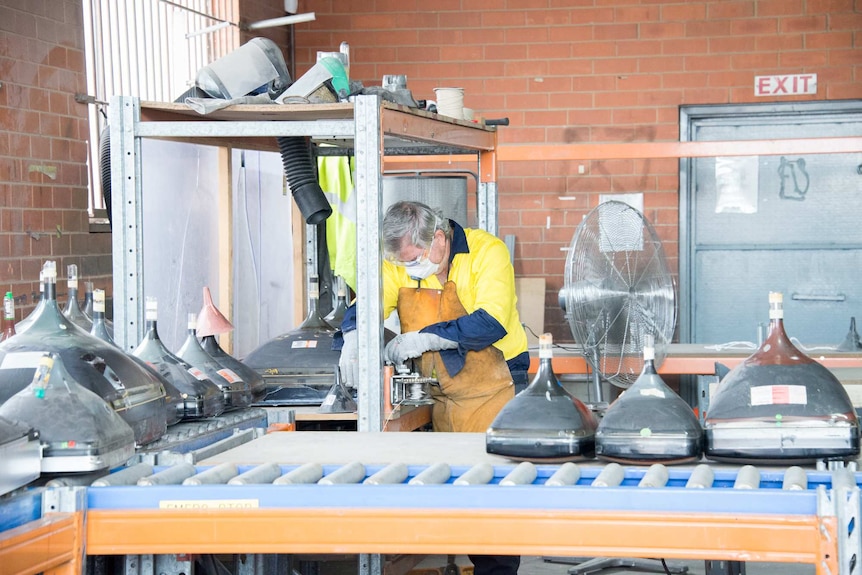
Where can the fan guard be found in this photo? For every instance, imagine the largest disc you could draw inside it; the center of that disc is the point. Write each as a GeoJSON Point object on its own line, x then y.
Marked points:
{"type": "Point", "coordinates": [617, 291]}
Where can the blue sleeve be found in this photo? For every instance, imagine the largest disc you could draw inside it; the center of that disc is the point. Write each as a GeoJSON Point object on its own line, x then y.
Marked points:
{"type": "Point", "coordinates": [473, 332]}
{"type": "Point", "coordinates": [347, 324]}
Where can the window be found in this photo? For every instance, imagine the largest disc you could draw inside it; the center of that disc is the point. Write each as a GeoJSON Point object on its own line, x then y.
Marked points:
{"type": "Point", "coordinates": [151, 49]}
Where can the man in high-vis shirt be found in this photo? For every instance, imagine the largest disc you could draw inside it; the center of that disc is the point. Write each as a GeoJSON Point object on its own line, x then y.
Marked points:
{"type": "Point", "coordinates": [454, 290]}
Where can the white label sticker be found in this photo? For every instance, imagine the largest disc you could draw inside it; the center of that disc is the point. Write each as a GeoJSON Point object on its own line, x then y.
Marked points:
{"type": "Point", "coordinates": [779, 395]}
{"type": "Point", "coordinates": [304, 343]}
{"type": "Point", "coordinates": [197, 373]}
{"type": "Point", "coordinates": [229, 375]}
{"type": "Point", "coordinates": [209, 504]}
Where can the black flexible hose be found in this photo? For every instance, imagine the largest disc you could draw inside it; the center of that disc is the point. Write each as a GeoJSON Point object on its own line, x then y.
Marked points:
{"type": "Point", "coordinates": [301, 173]}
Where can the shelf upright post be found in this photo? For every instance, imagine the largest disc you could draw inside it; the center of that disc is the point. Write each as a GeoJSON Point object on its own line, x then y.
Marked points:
{"type": "Point", "coordinates": [369, 302]}
{"type": "Point", "coordinates": [486, 191]}
{"type": "Point", "coordinates": [127, 237]}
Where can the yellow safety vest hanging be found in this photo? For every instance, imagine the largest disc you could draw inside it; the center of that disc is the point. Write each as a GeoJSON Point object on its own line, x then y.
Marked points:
{"type": "Point", "coordinates": [335, 174]}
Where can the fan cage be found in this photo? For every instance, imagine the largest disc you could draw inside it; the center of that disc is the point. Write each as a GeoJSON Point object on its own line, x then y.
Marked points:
{"type": "Point", "coordinates": [618, 290]}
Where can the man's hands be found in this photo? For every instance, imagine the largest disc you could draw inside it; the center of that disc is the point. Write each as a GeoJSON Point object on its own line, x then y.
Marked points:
{"type": "Point", "coordinates": [348, 362]}
{"type": "Point", "coordinates": [413, 344]}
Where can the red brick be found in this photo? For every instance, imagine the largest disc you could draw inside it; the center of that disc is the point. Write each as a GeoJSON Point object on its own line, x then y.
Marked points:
{"type": "Point", "coordinates": [799, 60]}
{"type": "Point", "coordinates": [802, 24]}
{"type": "Point", "coordinates": [783, 42]}
{"type": "Point", "coordinates": [724, 79]}
{"type": "Point", "coordinates": [526, 68]}
{"type": "Point", "coordinates": [733, 45]}
{"type": "Point", "coordinates": [545, 118]}
{"type": "Point", "coordinates": [548, 17]}
{"type": "Point", "coordinates": [526, 35]}
{"type": "Point", "coordinates": [418, 54]}
{"type": "Point", "coordinates": [550, 84]}
{"type": "Point", "coordinates": [783, 7]}
{"type": "Point", "coordinates": [528, 101]}
{"type": "Point", "coordinates": [638, 14]}
{"type": "Point", "coordinates": [616, 31]}
{"type": "Point", "coordinates": [507, 52]}
{"type": "Point", "coordinates": [636, 116]}
{"type": "Point", "coordinates": [590, 15]}
{"type": "Point", "coordinates": [707, 63]}
{"type": "Point", "coordinates": [596, 49]}
{"type": "Point", "coordinates": [705, 28]}
{"type": "Point", "coordinates": [829, 40]}
{"type": "Point", "coordinates": [594, 83]}
{"type": "Point", "coordinates": [730, 9]}
{"type": "Point", "coordinates": [849, 91]}
{"type": "Point", "coordinates": [662, 30]}
{"type": "Point", "coordinates": [754, 27]}
{"type": "Point", "coordinates": [684, 11]}
{"type": "Point", "coordinates": [755, 62]}
{"type": "Point", "coordinates": [639, 48]}
{"type": "Point", "coordinates": [548, 51]}
{"type": "Point", "coordinates": [572, 67]}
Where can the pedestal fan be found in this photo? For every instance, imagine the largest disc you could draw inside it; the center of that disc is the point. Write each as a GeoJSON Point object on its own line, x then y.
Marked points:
{"type": "Point", "coordinates": [617, 292]}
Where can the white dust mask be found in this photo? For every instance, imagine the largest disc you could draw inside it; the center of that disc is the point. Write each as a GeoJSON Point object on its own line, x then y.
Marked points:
{"type": "Point", "coordinates": [422, 268]}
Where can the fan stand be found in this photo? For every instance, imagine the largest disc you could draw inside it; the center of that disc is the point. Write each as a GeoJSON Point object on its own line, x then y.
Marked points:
{"type": "Point", "coordinates": [592, 565]}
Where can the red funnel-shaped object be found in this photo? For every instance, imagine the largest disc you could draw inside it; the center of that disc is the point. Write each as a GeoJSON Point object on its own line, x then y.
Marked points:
{"type": "Point", "coordinates": [210, 319]}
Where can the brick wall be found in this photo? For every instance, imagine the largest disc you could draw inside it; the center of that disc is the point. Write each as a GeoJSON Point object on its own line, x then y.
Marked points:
{"type": "Point", "coordinates": [43, 151]}
{"type": "Point", "coordinates": [43, 146]}
{"type": "Point", "coordinates": [566, 71]}
{"type": "Point", "coordinates": [561, 71]}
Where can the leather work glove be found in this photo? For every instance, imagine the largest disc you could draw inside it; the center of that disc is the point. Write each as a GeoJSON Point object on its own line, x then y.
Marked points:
{"type": "Point", "coordinates": [413, 344]}
{"type": "Point", "coordinates": [348, 362]}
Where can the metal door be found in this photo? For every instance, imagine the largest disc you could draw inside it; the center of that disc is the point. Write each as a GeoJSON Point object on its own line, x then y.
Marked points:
{"type": "Point", "coordinates": [751, 225]}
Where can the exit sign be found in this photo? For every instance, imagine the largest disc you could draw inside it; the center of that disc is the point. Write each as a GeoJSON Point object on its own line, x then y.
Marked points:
{"type": "Point", "coordinates": [787, 85]}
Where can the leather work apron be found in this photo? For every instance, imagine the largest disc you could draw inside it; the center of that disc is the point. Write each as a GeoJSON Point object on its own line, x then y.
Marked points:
{"type": "Point", "coordinates": [469, 401]}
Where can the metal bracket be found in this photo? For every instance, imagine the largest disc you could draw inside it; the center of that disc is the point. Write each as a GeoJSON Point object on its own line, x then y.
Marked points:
{"type": "Point", "coordinates": [64, 499]}
{"type": "Point", "coordinates": [842, 502]}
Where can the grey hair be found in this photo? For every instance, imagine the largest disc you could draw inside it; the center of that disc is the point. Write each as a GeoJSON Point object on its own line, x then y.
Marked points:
{"type": "Point", "coordinates": [414, 220]}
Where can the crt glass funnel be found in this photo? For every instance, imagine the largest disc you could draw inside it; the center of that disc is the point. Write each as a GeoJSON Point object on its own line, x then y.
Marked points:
{"type": "Point", "coordinates": [298, 365]}
{"type": "Point", "coordinates": [544, 422]}
{"type": "Point", "coordinates": [257, 387]}
{"type": "Point", "coordinates": [132, 389]}
{"type": "Point", "coordinates": [72, 310]}
{"type": "Point", "coordinates": [235, 390]}
{"type": "Point", "coordinates": [780, 405]}
{"type": "Point", "coordinates": [649, 423]}
{"type": "Point", "coordinates": [78, 430]}
{"type": "Point", "coordinates": [201, 397]}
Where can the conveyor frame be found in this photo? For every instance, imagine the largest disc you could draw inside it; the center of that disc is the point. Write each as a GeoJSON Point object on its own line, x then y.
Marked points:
{"type": "Point", "coordinates": [816, 526]}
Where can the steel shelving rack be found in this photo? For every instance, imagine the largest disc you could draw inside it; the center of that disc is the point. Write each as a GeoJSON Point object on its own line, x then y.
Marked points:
{"type": "Point", "coordinates": [367, 127]}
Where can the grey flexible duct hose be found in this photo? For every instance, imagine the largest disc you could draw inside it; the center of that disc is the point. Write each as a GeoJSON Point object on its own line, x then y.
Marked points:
{"type": "Point", "coordinates": [105, 169]}
{"type": "Point", "coordinates": [301, 173]}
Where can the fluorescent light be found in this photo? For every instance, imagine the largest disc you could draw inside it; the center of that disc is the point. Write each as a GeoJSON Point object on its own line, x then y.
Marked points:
{"type": "Point", "coordinates": [283, 21]}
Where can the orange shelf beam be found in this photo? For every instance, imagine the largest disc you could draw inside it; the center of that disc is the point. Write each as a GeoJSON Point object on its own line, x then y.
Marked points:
{"type": "Point", "coordinates": [50, 545]}
{"type": "Point", "coordinates": [703, 365]}
{"type": "Point", "coordinates": [638, 150]}
{"type": "Point", "coordinates": [776, 538]}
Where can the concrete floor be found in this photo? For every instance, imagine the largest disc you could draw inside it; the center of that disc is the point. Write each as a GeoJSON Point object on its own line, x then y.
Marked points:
{"type": "Point", "coordinates": [554, 566]}
{"type": "Point", "coordinates": [539, 566]}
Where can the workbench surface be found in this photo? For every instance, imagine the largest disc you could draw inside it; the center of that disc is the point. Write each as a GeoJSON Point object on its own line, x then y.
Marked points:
{"type": "Point", "coordinates": [340, 447]}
